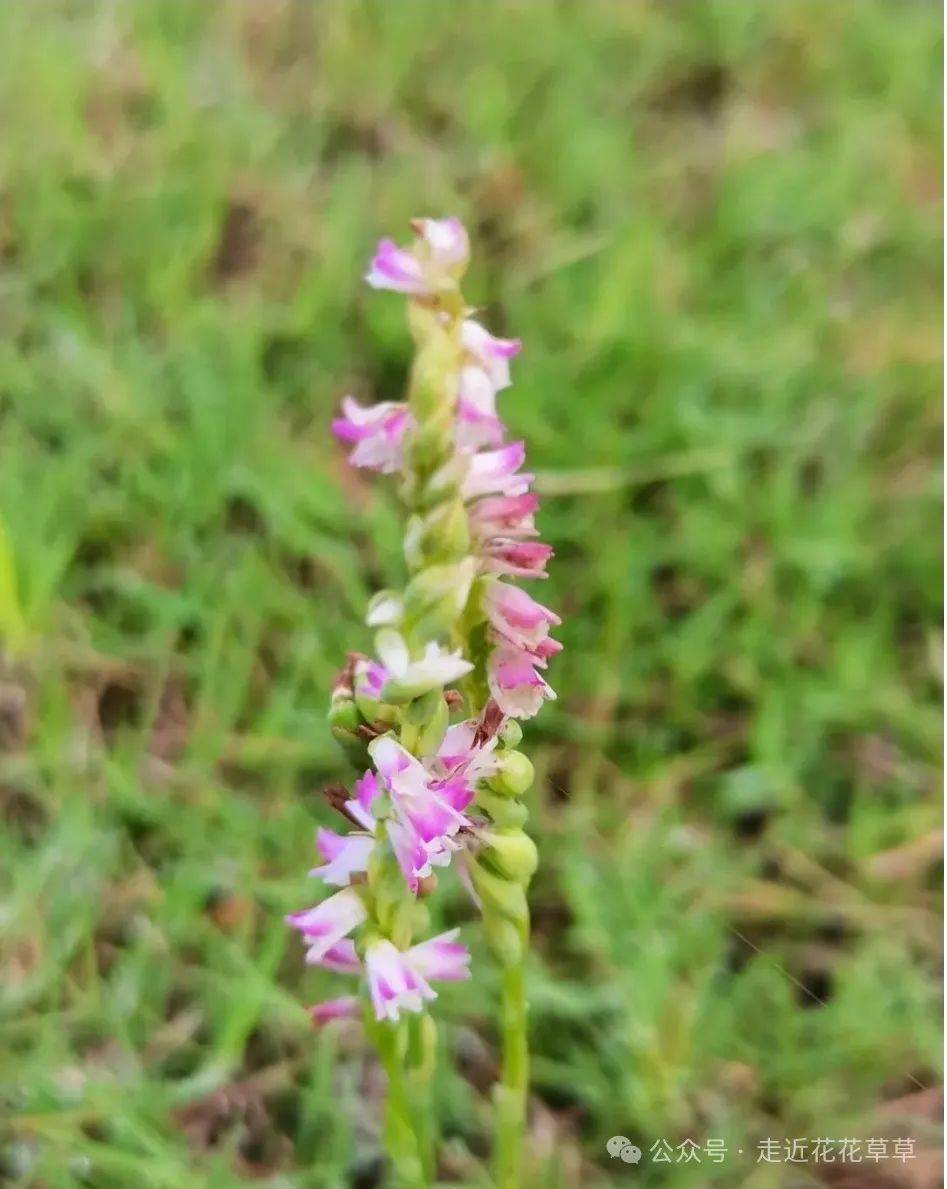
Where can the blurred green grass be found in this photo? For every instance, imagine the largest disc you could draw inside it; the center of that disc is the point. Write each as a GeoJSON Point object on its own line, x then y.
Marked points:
{"type": "Point", "coordinates": [716, 227]}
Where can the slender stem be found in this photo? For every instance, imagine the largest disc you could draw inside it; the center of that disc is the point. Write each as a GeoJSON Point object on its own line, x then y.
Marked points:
{"type": "Point", "coordinates": [512, 1088]}
{"type": "Point", "coordinates": [401, 1140]}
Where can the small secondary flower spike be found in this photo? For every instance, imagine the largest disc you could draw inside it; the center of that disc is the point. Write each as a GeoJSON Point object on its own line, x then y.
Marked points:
{"type": "Point", "coordinates": [431, 720]}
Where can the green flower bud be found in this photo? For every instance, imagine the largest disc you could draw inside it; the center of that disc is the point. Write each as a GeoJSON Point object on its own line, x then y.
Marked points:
{"type": "Point", "coordinates": [511, 734]}
{"type": "Point", "coordinates": [444, 587]}
{"type": "Point", "coordinates": [422, 720]}
{"type": "Point", "coordinates": [436, 365]}
{"type": "Point", "coordinates": [442, 533]}
{"type": "Point", "coordinates": [512, 853]}
{"type": "Point", "coordinates": [515, 775]}
{"type": "Point", "coordinates": [421, 1052]}
{"type": "Point", "coordinates": [343, 715]}
{"type": "Point", "coordinates": [506, 813]}
{"type": "Point", "coordinates": [431, 444]}
{"type": "Point", "coordinates": [504, 940]}
{"type": "Point", "coordinates": [373, 711]}
{"type": "Point", "coordinates": [384, 609]}
{"type": "Point", "coordinates": [432, 733]}
{"type": "Point", "coordinates": [442, 485]}
{"type": "Point", "coordinates": [500, 895]}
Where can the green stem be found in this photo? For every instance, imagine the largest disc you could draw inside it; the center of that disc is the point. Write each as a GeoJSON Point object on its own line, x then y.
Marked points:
{"type": "Point", "coordinates": [512, 1088]}
{"type": "Point", "coordinates": [401, 1140]}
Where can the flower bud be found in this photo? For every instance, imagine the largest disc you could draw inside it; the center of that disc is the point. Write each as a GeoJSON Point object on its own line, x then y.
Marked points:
{"type": "Point", "coordinates": [499, 895]}
{"type": "Point", "coordinates": [504, 940]}
{"type": "Point", "coordinates": [515, 775]}
{"type": "Point", "coordinates": [344, 717]}
{"type": "Point", "coordinates": [431, 444]}
{"type": "Point", "coordinates": [512, 853]}
{"type": "Point", "coordinates": [434, 375]}
{"type": "Point", "coordinates": [436, 596]}
{"type": "Point", "coordinates": [444, 482]}
{"type": "Point", "coordinates": [432, 733]}
{"type": "Point", "coordinates": [511, 734]}
{"type": "Point", "coordinates": [442, 533]}
{"type": "Point", "coordinates": [506, 813]}
{"type": "Point", "coordinates": [385, 609]}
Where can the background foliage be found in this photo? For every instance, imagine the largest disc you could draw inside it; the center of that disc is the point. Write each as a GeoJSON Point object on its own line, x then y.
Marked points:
{"type": "Point", "coordinates": [716, 227]}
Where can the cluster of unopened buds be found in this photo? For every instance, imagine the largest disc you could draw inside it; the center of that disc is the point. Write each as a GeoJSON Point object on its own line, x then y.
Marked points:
{"type": "Point", "coordinates": [460, 656]}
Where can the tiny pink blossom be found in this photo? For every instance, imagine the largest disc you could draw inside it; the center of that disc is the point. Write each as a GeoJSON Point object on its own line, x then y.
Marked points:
{"type": "Point", "coordinates": [458, 753]}
{"type": "Point", "coordinates": [397, 269]}
{"type": "Point", "coordinates": [340, 958]}
{"type": "Point", "coordinates": [544, 650]}
{"type": "Point", "coordinates": [370, 678]}
{"type": "Point", "coordinates": [427, 810]}
{"type": "Point", "coordinates": [477, 421]}
{"type": "Point", "coordinates": [504, 516]}
{"type": "Point", "coordinates": [392, 984]}
{"type": "Point", "coordinates": [446, 241]}
{"type": "Point", "coordinates": [493, 472]}
{"type": "Point", "coordinates": [326, 924]}
{"type": "Point", "coordinates": [491, 353]}
{"type": "Point", "coordinates": [517, 688]}
{"type": "Point", "coordinates": [518, 559]}
{"type": "Point", "coordinates": [398, 980]}
{"type": "Point", "coordinates": [442, 958]}
{"type": "Point", "coordinates": [344, 854]}
{"type": "Point", "coordinates": [516, 616]}
{"type": "Point", "coordinates": [440, 254]}
{"type": "Point", "coordinates": [376, 433]}
{"type": "Point", "coordinates": [359, 808]}
{"type": "Point", "coordinates": [345, 1008]}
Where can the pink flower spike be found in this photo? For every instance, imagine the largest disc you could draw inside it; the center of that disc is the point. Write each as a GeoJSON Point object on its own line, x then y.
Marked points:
{"type": "Point", "coordinates": [516, 616]}
{"type": "Point", "coordinates": [345, 1008]}
{"type": "Point", "coordinates": [376, 433]}
{"type": "Point", "coordinates": [494, 472]}
{"type": "Point", "coordinates": [442, 958]}
{"type": "Point", "coordinates": [344, 854]}
{"type": "Point", "coordinates": [396, 269]}
{"type": "Point", "coordinates": [328, 922]}
{"type": "Point", "coordinates": [518, 559]}
{"type": "Point", "coordinates": [517, 688]}
{"type": "Point", "coordinates": [491, 353]}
